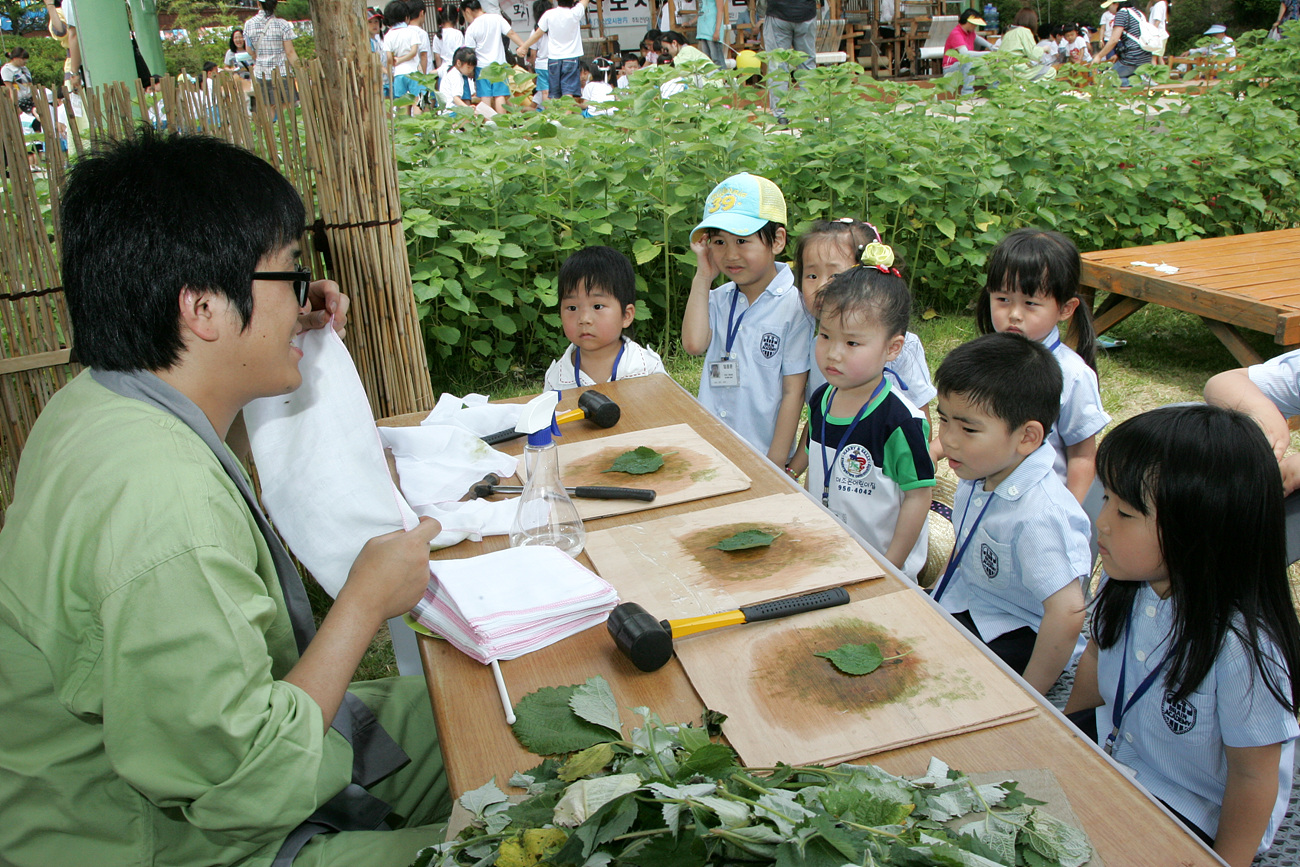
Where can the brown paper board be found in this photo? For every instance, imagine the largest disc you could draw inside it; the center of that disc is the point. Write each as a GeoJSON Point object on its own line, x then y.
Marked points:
{"type": "Point", "coordinates": [696, 470]}
{"type": "Point", "coordinates": [668, 567]}
{"type": "Point", "coordinates": [784, 704]}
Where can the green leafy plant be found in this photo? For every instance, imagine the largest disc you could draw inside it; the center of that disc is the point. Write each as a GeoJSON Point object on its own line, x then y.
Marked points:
{"type": "Point", "coordinates": [858, 659]}
{"type": "Point", "coordinates": [745, 540]}
{"type": "Point", "coordinates": [669, 795]}
{"type": "Point", "coordinates": [639, 461]}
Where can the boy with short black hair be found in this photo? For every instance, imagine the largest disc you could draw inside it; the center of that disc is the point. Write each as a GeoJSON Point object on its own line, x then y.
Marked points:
{"type": "Point", "coordinates": [403, 44]}
{"type": "Point", "coordinates": [562, 25]}
{"type": "Point", "coordinates": [1015, 576]}
{"type": "Point", "coordinates": [753, 332]}
{"type": "Point", "coordinates": [597, 305]}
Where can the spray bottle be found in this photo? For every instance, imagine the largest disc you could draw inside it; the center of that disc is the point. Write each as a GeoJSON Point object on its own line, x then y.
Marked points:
{"type": "Point", "coordinates": [546, 515]}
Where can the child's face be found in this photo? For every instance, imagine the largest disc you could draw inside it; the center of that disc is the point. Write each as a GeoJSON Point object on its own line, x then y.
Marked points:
{"type": "Point", "coordinates": [852, 350]}
{"type": "Point", "coordinates": [1034, 316]}
{"type": "Point", "coordinates": [745, 258]}
{"type": "Point", "coordinates": [594, 320]}
{"type": "Point", "coordinates": [584, 76]}
{"type": "Point", "coordinates": [466, 69]}
{"type": "Point", "coordinates": [979, 445]}
{"type": "Point", "coordinates": [630, 66]}
{"type": "Point", "coordinates": [822, 260]}
{"type": "Point", "coordinates": [374, 27]}
{"type": "Point", "coordinates": [1129, 543]}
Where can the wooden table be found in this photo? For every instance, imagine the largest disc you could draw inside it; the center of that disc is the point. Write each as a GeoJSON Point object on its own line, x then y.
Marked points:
{"type": "Point", "coordinates": [1124, 825]}
{"type": "Point", "coordinates": [1244, 281]}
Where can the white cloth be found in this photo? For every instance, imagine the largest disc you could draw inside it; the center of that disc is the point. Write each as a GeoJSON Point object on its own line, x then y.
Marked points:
{"type": "Point", "coordinates": [1177, 750]}
{"type": "Point", "coordinates": [473, 413]}
{"type": "Point", "coordinates": [564, 28]}
{"type": "Point", "coordinates": [439, 463]}
{"type": "Point", "coordinates": [772, 343]}
{"type": "Point", "coordinates": [397, 42]}
{"type": "Point", "coordinates": [537, 596]}
{"type": "Point", "coordinates": [484, 36]}
{"type": "Point", "coordinates": [1082, 414]}
{"type": "Point", "coordinates": [452, 39]}
{"type": "Point", "coordinates": [636, 360]}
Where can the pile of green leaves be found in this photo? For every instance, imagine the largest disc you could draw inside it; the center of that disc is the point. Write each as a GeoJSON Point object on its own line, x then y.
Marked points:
{"type": "Point", "coordinates": [668, 796]}
{"type": "Point", "coordinates": [491, 212]}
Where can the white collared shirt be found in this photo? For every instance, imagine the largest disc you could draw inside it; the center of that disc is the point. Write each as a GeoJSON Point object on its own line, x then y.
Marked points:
{"type": "Point", "coordinates": [1031, 542]}
{"type": "Point", "coordinates": [1279, 379]}
{"type": "Point", "coordinates": [1081, 415]}
{"type": "Point", "coordinates": [772, 343]}
{"type": "Point", "coordinates": [636, 360]}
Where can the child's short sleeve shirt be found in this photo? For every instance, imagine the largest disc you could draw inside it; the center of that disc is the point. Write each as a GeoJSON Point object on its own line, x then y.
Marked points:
{"type": "Point", "coordinates": [1082, 415]}
{"type": "Point", "coordinates": [1175, 749]}
{"type": "Point", "coordinates": [636, 360]}
{"type": "Point", "coordinates": [484, 36]}
{"type": "Point", "coordinates": [772, 342]}
{"type": "Point", "coordinates": [1279, 379]}
{"type": "Point", "coordinates": [398, 41]}
{"type": "Point", "coordinates": [884, 456]}
{"type": "Point", "coordinates": [1031, 542]}
{"type": "Point", "coordinates": [563, 25]}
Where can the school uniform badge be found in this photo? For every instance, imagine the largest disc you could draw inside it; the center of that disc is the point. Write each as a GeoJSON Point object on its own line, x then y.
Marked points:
{"type": "Point", "coordinates": [1180, 716]}
{"type": "Point", "coordinates": [769, 344]}
{"type": "Point", "coordinates": [855, 461]}
{"type": "Point", "coordinates": [988, 560]}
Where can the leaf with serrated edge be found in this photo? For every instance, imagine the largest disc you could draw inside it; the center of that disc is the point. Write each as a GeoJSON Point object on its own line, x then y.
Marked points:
{"type": "Point", "coordinates": [854, 659]}
{"type": "Point", "coordinates": [546, 725]}
{"type": "Point", "coordinates": [594, 702]}
{"type": "Point", "coordinates": [1049, 836]}
{"type": "Point", "coordinates": [585, 797]}
{"type": "Point", "coordinates": [746, 539]}
{"type": "Point", "coordinates": [483, 797]}
{"type": "Point", "coordinates": [639, 461]}
{"type": "Point", "coordinates": [588, 762]}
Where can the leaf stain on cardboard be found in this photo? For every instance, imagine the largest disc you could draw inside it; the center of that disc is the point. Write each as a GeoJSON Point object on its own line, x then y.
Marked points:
{"type": "Point", "coordinates": [675, 475]}
{"type": "Point", "coordinates": [792, 685]}
{"type": "Point", "coordinates": [794, 549]}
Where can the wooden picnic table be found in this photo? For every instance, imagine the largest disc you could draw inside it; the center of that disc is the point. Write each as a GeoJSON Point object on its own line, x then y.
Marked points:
{"type": "Point", "coordinates": [1125, 825]}
{"type": "Point", "coordinates": [1244, 281]}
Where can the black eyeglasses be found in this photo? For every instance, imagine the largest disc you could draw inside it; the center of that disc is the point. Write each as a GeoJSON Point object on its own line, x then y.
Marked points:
{"type": "Point", "coordinates": [301, 281]}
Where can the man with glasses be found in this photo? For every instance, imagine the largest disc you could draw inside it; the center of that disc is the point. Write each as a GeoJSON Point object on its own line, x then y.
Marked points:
{"type": "Point", "coordinates": [165, 695]}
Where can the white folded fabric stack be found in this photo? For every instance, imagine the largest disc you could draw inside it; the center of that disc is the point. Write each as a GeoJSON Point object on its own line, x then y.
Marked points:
{"type": "Point", "coordinates": [511, 602]}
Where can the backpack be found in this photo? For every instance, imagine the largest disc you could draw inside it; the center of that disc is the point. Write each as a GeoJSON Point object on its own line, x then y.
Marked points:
{"type": "Point", "coordinates": [1150, 37]}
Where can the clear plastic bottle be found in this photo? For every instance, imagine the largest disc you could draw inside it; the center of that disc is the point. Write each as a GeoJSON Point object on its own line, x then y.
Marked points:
{"type": "Point", "coordinates": [546, 514]}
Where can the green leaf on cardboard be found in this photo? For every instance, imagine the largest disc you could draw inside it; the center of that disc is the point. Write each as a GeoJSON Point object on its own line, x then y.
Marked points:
{"type": "Point", "coordinates": [855, 659]}
{"type": "Point", "coordinates": [746, 539]}
{"type": "Point", "coordinates": [594, 702]}
{"type": "Point", "coordinates": [638, 461]}
{"type": "Point", "coordinates": [546, 725]}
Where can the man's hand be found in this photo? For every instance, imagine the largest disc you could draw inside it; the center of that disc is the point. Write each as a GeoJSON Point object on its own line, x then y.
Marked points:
{"type": "Point", "coordinates": [328, 305]}
{"type": "Point", "coordinates": [392, 570]}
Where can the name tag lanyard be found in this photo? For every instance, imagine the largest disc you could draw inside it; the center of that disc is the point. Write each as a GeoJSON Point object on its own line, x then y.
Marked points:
{"type": "Point", "coordinates": [957, 555]}
{"type": "Point", "coordinates": [1121, 707]}
{"type": "Point", "coordinates": [577, 363]}
{"type": "Point", "coordinates": [732, 331]}
{"type": "Point", "coordinates": [828, 466]}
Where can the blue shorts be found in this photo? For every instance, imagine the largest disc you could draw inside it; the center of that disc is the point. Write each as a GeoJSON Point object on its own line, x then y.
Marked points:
{"type": "Point", "coordinates": [544, 80]}
{"type": "Point", "coordinates": [563, 75]}
{"type": "Point", "coordinates": [489, 88]}
{"type": "Point", "coordinates": [404, 85]}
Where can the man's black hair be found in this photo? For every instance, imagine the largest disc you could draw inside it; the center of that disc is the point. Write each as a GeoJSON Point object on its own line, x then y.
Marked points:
{"type": "Point", "coordinates": [396, 12]}
{"type": "Point", "coordinates": [599, 268]}
{"type": "Point", "coordinates": [414, 8]}
{"type": "Point", "coordinates": [144, 217]}
{"type": "Point", "coordinates": [208, 66]}
{"type": "Point", "coordinates": [1008, 375]}
{"type": "Point", "coordinates": [540, 8]}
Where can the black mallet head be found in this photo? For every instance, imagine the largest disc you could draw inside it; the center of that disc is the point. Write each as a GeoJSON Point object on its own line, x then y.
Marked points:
{"type": "Point", "coordinates": [599, 409]}
{"type": "Point", "coordinates": [644, 640]}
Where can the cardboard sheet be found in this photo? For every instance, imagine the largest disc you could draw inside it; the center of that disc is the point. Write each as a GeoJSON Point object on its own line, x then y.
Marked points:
{"type": "Point", "coordinates": [784, 704]}
{"type": "Point", "coordinates": [696, 469]}
{"type": "Point", "coordinates": [668, 567]}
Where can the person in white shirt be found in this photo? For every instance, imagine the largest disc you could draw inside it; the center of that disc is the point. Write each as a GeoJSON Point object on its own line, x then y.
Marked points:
{"type": "Point", "coordinates": [541, 56]}
{"type": "Point", "coordinates": [595, 88]}
{"type": "Point", "coordinates": [1158, 14]}
{"type": "Point", "coordinates": [402, 42]}
{"type": "Point", "coordinates": [1221, 47]}
{"type": "Point", "coordinates": [1075, 47]}
{"type": "Point", "coordinates": [563, 24]}
{"type": "Point", "coordinates": [455, 89]}
{"type": "Point", "coordinates": [451, 39]}
{"type": "Point", "coordinates": [483, 34]}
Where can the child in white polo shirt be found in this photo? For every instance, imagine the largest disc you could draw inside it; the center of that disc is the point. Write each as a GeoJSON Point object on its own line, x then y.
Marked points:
{"type": "Point", "coordinates": [563, 25]}
{"type": "Point", "coordinates": [1021, 536]}
{"type": "Point", "coordinates": [753, 331]}
{"type": "Point", "coordinates": [597, 304]}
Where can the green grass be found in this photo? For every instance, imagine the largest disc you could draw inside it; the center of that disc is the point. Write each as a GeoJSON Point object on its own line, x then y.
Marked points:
{"type": "Point", "coordinates": [1168, 357]}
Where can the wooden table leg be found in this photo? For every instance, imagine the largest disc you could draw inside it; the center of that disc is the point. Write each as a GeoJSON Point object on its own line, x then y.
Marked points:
{"type": "Point", "coordinates": [1231, 338]}
{"type": "Point", "coordinates": [1115, 310]}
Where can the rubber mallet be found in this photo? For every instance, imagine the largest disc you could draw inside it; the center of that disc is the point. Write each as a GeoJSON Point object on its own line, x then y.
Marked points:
{"type": "Point", "coordinates": [649, 642]}
{"type": "Point", "coordinates": [592, 405]}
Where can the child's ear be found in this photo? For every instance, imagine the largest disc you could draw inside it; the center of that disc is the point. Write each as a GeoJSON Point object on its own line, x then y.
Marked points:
{"type": "Point", "coordinates": [1067, 309]}
{"type": "Point", "coordinates": [629, 314]}
{"type": "Point", "coordinates": [895, 346]}
{"type": "Point", "coordinates": [778, 242]}
{"type": "Point", "coordinates": [1029, 438]}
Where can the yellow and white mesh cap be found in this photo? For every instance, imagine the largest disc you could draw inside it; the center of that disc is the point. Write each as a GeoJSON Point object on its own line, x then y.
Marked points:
{"type": "Point", "coordinates": [741, 205]}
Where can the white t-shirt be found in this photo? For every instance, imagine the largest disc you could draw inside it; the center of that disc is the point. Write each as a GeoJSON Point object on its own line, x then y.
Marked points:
{"type": "Point", "coordinates": [400, 40]}
{"type": "Point", "coordinates": [453, 85]}
{"type": "Point", "coordinates": [543, 48]}
{"type": "Point", "coordinates": [451, 40]}
{"type": "Point", "coordinates": [1079, 44]}
{"type": "Point", "coordinates": [564, 27]}
{"type": "Point", "coordinates": [595, 92]}
{"type": "Point", "coordinates": [1107, 21]}
{"type": "Point", "coordinates": [426, 45]}
{"type": "Point", "coordinates": [636, 360]}
{"type": "Point", "coordinates": [1159, 14]}
{"type": "Point", "coordinates": [484, 36]}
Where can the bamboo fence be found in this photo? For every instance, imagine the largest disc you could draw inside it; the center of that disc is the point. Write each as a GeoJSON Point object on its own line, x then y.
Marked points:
{"type": "Point", "coordinates": [337, 153]}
